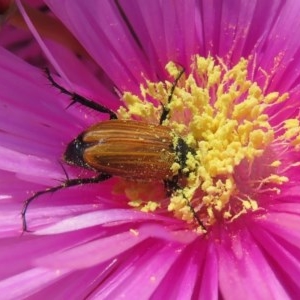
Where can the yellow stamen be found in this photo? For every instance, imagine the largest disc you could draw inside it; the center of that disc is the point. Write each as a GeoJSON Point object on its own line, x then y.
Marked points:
{"type": "Point", "coordinates": [220, 114]}
{"type": "Point", "coordinates": [150, 206]}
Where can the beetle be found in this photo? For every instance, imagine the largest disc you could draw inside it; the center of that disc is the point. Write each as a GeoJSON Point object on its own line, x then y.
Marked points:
{"type": "Point", "coordinates": [129, 149]}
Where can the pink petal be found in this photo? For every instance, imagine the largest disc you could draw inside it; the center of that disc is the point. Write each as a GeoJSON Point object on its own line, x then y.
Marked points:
{"type": "Point", "coordinates": [38, 278]}
{"type": "Point", "coordinates": [243, 264]}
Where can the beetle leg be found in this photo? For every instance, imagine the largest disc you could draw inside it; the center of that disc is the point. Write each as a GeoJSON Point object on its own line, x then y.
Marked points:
{"type": "Point", "coordinates": [166, 110]}
{"type": "Point", "coordinates": [65, 184]}
{"type": "Point", "coordinates": [76, 98]}
{"type": "Point", "coordinates": [172, 186]}
{"type": "Point", "coordinates": [196, 217]}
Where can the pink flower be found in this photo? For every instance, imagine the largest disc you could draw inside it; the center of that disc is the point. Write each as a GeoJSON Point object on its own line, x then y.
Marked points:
{"type": "Point", "coordinates": [236, 109]}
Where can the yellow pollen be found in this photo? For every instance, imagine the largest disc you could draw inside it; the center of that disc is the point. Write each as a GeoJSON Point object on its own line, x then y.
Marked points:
{"type": "Point", "coordinates": [276, 163]}
{"type": "Point", "coordinates": [220, 114]}
{"type": "Point", "coordinates": [276, 179]}
{"type": "Point", "coordinates": [247, 205]}
{"type": "Point", "coordinates": [145, 206]}
{"type": "Point", "coordinates": [150, 206]}
{"type": "Point", "coordinates": [292, 133]}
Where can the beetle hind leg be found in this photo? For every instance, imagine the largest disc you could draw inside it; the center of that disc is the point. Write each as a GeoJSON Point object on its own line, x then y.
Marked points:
{"type": "Point", "coordinates": [172, 186]}
{"type": "Point", "coordinates": [76, 98]}
{"type": "Point", "coordinates": [68, 183]}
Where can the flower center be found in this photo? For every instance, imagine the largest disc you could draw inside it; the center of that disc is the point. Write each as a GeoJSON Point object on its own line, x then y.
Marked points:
{"type": "Point", "coordinates": [220, 114]}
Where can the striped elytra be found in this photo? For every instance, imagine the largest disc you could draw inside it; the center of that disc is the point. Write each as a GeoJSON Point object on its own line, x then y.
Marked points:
{"type": "Point", "coordinates": [125, 148]}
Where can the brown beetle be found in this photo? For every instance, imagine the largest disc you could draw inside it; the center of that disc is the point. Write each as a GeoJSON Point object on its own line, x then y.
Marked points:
{"type": "Point", "coordinates": [126, 148]}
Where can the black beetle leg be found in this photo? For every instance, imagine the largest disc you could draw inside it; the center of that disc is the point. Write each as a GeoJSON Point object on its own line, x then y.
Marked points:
{"type": "Point", "coordinates": [65, 184]}
{"type": "Point", "coordinates": [79, 99]}
{"type": "Point", "coordinates": [165, 110]}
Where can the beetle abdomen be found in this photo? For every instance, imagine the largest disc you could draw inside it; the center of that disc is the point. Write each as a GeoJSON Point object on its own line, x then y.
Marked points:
{"type": "Point", "coordinates": [126, 148]}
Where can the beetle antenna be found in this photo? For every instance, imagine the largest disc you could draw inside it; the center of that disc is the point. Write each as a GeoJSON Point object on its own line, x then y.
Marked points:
{"type": "Point", "coordinates": [68, 183]}
{"type": "Point", "coordinates": [165, 109]}
{"type": "Point", "coordinates": [80, 99]}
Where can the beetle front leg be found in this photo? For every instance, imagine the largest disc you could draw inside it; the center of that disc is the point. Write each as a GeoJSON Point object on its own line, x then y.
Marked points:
{"type": "Point", "coordinates": [68, 183]}
{"type": "Point", "coordinates": [166, 110]}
